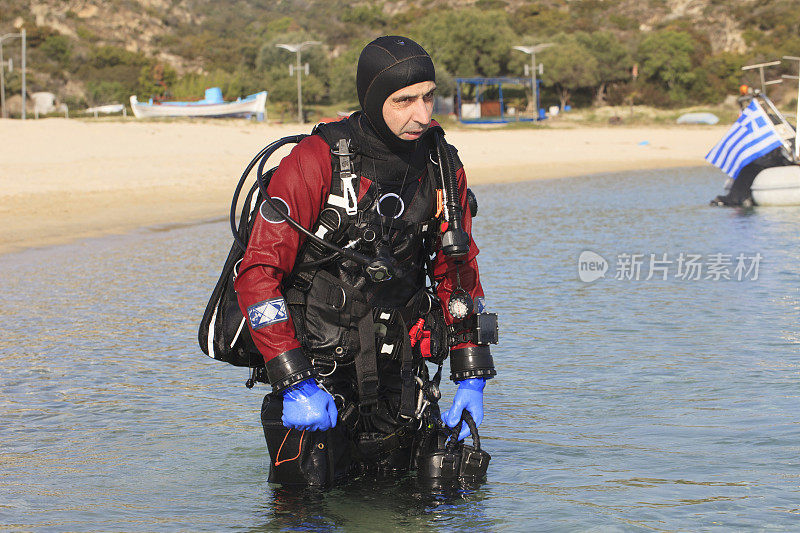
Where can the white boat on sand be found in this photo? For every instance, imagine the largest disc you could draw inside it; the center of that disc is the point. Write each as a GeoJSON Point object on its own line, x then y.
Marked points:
{"type": "Point", "coordinates": [105, 109]}
{"type": "Point", "coordinates": [211, 106]}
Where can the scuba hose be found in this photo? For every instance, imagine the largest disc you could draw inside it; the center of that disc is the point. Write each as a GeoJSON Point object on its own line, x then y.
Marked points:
{"type": "Point", "coordinates": [350, 254]}
{"type": "Point", "coordinates": [261, 156]}
{"type": "Point", "coordinates": [455, 241]}
{"type": "Point", "coordinates": [262, 181]}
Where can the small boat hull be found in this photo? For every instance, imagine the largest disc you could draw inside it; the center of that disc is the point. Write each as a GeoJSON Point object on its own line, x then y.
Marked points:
{"type": "Point", "coordinates": [777, 186]}
{"type": "Point", "coordinates": [255, 104]}
{"type": "Point", "coordinates": [698, 118]}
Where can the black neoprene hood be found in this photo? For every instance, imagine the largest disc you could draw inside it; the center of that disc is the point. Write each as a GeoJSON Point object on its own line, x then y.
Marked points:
{"type": "Point", "coordinates": [386, 65]}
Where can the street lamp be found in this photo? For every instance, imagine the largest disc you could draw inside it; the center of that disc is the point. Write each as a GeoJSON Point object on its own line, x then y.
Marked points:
{"type": "Point", "coordinates": [297, 48]}
{"type": "Point", "coordinates": [531, 50]}
{"type": "Point", "coordinates": [21, 35]}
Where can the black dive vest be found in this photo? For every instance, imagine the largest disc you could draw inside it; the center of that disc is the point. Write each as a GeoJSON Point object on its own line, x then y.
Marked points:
{"type": "Point", "coordinates": [332, 301]}
{"type": "Point", "coordinates": [340, 313]}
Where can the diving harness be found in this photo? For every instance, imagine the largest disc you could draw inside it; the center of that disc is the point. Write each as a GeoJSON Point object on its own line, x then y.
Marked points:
{"type": "Point", "coordinates": [223, 333]}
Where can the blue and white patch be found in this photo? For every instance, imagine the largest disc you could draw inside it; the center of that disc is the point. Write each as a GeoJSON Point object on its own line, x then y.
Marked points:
{"type": "Point", "coordinates": [267, 312]}
{"type": "Point", "coordinates": [480, 304]}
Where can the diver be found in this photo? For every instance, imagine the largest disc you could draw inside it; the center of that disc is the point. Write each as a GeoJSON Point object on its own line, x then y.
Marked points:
{"type": "Point", "coordinates": [345, 340]}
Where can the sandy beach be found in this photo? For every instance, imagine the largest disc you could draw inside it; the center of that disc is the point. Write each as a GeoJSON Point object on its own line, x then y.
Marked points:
{"type": "Point", "coordinates": [62, 180]}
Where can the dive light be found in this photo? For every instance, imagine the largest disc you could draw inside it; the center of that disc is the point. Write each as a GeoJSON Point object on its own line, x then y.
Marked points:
{"type": "Point", "coordinates": [455, 241]}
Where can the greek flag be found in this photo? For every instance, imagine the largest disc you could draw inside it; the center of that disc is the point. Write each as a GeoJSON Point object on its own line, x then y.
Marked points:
{"type": "Point", "coordinates": [750, 137]}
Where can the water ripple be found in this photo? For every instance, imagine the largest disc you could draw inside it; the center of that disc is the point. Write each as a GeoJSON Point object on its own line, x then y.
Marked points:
{"type": "Point", "coordinates": [650, 405]}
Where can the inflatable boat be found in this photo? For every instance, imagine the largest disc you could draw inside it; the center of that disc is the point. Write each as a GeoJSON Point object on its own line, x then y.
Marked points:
{"type": "Point", "coordinates": [758, 155]}
{"type": "Point", "coordinates": [777, 186]}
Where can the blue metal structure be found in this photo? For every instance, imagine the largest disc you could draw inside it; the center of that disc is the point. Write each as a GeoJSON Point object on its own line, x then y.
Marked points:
{"type": "Point", "coordinates": [499, 83]}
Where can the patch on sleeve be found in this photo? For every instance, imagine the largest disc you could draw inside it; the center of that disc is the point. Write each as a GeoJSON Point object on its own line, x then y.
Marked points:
{"type": "Point", "coordinates": [267, 312]}
{"type": "Point", "coordinates": [480, 304]}
{"type": "Point", "coordinates": [271, 215]}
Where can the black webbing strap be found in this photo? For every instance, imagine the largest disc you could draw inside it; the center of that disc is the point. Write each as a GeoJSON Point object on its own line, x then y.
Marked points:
{"type": "Point", "coordinates": [371, 445]}
{"type": "Point", "coordinates": [367, 365]}
{"type": "Point", "coordinates": [344, 167]}
{"type": "Point", "coordinates": [347, 198]}
{"type": "Point", "coordinates": [337, 187]}
{"type": "Point", "coordinates": [295, 299]}
{"type": "Point", "coordinates": [407, 378]}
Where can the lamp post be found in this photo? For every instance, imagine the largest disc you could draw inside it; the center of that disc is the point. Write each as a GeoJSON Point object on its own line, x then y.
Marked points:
{"type": "Point", "coordinates": [297, 48]}
{"type": "Point", "coordinates": [531, 50]}
{"type": "Point", "coordinates": [22, 36]}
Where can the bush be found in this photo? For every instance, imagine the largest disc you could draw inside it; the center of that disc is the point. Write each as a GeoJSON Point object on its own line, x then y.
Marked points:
{"type": "Point", "coordinates": [59, 49]}
{"type": "Point", "coordinates": [107, 92]}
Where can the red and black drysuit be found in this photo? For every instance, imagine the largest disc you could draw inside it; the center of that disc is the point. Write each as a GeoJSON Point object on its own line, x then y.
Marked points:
{"type": "Point", "coordinates": [302, 184]}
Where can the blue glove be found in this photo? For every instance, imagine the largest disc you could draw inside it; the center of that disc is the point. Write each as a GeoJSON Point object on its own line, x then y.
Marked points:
{"type": "Point", "coordinates": [469, 396]}
{"type": "Point", "coordinates": [306, 406]}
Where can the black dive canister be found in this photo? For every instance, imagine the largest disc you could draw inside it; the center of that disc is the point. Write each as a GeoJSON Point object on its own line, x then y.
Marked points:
{"type": "Point", "coordinates": [455, 241]}
{"type": "Point", "coordinates": [448, 459]}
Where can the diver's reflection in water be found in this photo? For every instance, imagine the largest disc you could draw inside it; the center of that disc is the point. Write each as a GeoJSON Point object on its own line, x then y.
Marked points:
{"type": "Point", "coordinates": [377, 504]}
{"type": "Point", "coordinates": [446, 490]}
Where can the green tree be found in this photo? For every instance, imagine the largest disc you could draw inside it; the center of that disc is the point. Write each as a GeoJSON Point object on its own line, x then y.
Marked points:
{"type": "Point", "coordinates": [156, 79]}
{"type": "Point", "coordinates": [59, 49]}
{"type": "Point", "coordinates": [568, 66]}
{"type": "Point", "coordinates": [719, 75]}
{"type": "Point", "coordinates": [106, 92]}
{"type": "Point", "coordinates": [469, 42]}
{"type": "Point", "coordinates": [614, 60]}
{"type": "Point", "coordinates": [342, 84]}
{"type": "Point", "coordinates": [445, 82]}
{"type": "Point", "coordinates": [666, 60]}
{"type": "Point", "coordinates": [269, 56]}
{"type": "Point", "coordinates": [531, 18]}
{"type": "Point", "coordinates": [233, 84]}
{"type": "Point", "coordinates": [272, 63]}
{"type": "Point", "coordinates": [370, 16]}
{"type": "Point", "coordinates": [111, 56]}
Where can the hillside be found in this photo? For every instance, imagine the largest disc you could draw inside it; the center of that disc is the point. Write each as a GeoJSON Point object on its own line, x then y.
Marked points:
{"type": "Point", "coordinates": [688, 51]}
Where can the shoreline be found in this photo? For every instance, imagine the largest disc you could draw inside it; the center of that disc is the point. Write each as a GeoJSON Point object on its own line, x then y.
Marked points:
{"type": "Point", "coordinates": [66, 180]}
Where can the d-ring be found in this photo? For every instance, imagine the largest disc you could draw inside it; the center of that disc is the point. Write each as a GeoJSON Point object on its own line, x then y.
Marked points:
{"type": "Point", "coordinates": [344, 301]}
{"type": "Point", "coordinates": [391, 195]}
{"type": "Point", "coordinates": [236, 268]}
{"type": "Point", "coordinates": [430, 303]}
{"type": "Point", "coordinates": [329, 373]}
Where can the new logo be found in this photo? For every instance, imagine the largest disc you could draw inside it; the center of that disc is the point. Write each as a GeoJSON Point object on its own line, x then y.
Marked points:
{"type": "Point", "coordinates": [591, 266]}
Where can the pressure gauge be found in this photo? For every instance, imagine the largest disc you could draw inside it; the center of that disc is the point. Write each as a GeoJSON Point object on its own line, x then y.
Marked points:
{"type": "Point", "coordinates": [460, 305]}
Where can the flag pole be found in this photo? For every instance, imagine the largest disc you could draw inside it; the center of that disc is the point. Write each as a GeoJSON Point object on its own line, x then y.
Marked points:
{"type": "Point", "coordinates": [778, 115]}
{"type": "Point", "coordinates": [797, 115]}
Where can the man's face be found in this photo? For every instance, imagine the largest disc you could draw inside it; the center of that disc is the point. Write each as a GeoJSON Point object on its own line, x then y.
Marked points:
{"type": "Point", "coordinates": [408, 111]}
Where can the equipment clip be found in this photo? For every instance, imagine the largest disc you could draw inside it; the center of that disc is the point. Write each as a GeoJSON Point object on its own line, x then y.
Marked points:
{"type": "Point", "coordinates": [348, 200]}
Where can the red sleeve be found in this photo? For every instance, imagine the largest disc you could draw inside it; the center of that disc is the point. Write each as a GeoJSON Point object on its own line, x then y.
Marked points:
{"type": "Point", "coordinates": [445, 267]}
{"type": "Point", "coordinates": [302, 182]}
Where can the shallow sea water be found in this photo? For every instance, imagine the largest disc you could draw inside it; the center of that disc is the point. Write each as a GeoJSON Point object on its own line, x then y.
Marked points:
{"type": "Point", "coordinates": [620, 404]}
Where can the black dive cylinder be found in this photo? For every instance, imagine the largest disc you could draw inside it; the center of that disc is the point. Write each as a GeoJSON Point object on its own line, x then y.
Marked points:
{"type": "Point", "coordinates": [455, 241]}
